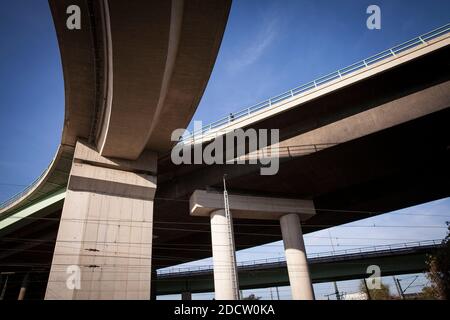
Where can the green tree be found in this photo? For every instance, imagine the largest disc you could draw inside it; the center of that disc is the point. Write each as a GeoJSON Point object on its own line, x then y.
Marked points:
{"type": "Point", "coordinates": [427, 293]}
{"type": "Point", "coordinates": [439, 269]}
{"type": "Point", "coordinates": [377, 294]}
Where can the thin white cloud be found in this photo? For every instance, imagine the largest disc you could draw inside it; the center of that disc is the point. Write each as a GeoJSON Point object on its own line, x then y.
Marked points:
{"type": "Point", "coordinates": [255, 48]}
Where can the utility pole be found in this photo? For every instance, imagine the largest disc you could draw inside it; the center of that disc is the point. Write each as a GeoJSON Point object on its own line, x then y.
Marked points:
{"type": "Point", "coordinates": [336, 290]}
{"type": "Point", "coordinates": [231, 240]}
{"type": "Point", "coordinates": [278, 293]}
{"type": "Point", "coordinates": [367, 290]}
{"type": "Point", "coordinates": [399, 288]}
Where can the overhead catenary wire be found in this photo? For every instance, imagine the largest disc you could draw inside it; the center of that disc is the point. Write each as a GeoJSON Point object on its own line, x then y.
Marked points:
{"type": "Point", "coordinates": [135, 223]}
{"type": "Point", "coordinates": [329, 210]}
{"type": "Point", "coordinates": [307, 237]}
{"type": "Point", "coordinates": [177, 258]}
{"type": "Point", "coordinates": [183, 245]}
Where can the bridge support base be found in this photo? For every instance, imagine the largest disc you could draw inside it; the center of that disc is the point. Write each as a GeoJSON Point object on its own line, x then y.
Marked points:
{"type": "Point", "coordinates": [289, 211]}
{"type": "Point", "coordinates": [296, 261]}
{"type": "Point", "coordinates": [104, 243]}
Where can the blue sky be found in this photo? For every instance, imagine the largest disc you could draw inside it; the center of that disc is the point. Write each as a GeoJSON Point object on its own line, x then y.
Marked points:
{"type": "Point", "coordinates": [272, 46]}
{"type": "Point", "coordinates": [268, 47]}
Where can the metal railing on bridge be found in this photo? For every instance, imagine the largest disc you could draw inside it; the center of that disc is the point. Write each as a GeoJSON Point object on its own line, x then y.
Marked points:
{"type": "Point", "coordinates": [420, 40]}
{"type": "Point", "coordinates": [23, 192]}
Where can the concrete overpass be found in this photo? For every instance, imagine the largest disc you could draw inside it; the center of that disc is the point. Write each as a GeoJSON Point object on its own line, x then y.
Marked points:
{"type": "Point", "coordinates": [377, 131]}
{"type": "Point", "coordinates": [340, 265]}
{"type": "Point", "coordinates": [373, 139]}
{"type": "Point", "coordinates": [127, 87]}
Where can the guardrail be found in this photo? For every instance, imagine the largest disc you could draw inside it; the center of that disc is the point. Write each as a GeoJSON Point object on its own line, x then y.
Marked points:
{"type": "Point", "coordinates": [329, 254]}
{"type": "Point", "coordinates": [420, 40]}
{"type": "Point", "coordinates": [20, 194]}
{"type": "Point", "coordinates": [58, 156]}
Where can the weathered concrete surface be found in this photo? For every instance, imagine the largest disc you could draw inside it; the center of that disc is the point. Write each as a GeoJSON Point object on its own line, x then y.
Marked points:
{"type": "Point", "coordinates": [129, 85]}
{"type": "Point", "coordinates": [226, 283]}
{"type": "Point", "coordinates": [200, 34]}
{"type": "Point", "coordinates": [161, 61]}
{"type": "Point", "coordinates": [105, 230]}
{"type": "Point", "coordinates": [203, 203]}
{"type": "Point", "coordinates": [289, 211]}
{"type": "Point", "coordinates": [78, 56]}
{"type": "Point", "coordinates": [404, 109]}
{"type": "Point", "coordinates": [296, 261]}
{"type": "Point", "coordinates": [357, 78]}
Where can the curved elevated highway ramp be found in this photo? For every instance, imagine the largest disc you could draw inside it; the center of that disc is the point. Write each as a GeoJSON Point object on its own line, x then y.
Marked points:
{"type": "Point", "coordinates": [133, 73]}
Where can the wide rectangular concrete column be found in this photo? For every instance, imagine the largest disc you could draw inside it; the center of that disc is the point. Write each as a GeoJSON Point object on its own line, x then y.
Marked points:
{"type": "Point", "coordinates": [296, 261]}
{"type": "Point", "coordinates": [226, 285]}
{"type": "Point", "coordinates": [289, 211]}
{"type": "Point", "coordinates": [104, 243]}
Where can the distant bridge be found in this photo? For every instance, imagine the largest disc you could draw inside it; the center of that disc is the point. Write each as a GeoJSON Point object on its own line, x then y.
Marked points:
{"type": "Point", "coordinates": [339, 265]}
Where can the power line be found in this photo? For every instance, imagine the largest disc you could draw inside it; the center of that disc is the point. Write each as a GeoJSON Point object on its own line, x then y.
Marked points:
{"type": "Point", "coordinates": [168, 245]}
{"type": "Point", "coordinates": [330, 210]}
{"type": "Point", "coordinates": [13, 185]}
{"type": "Point", "coordinates": [120, 222]}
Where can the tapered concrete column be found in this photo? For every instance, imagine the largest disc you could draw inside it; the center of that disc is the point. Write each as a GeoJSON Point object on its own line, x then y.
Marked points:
{"type": "Point", "coordinates": [297, 263]}
{"type": "Point", "coordinates": [104, 244]}
{"type": "Point", "coordinates": [225, 276]}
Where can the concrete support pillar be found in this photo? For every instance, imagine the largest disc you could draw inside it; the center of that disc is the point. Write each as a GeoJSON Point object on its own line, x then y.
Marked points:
{"type": "Point", "coordinates": [186, 295]}
{"type": "Point", "coordinates": [297, 263]}
{"type": "Point", "coordinates": [4, 285]}
{"type": "Point", "coordinates": [104, 244]}
{"type": "Point", "coordinates": [23, 287]}
{"type": "Point", "coordinates": [288, 211]}
{"type": "Point", "coordinates": [225, 275]}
